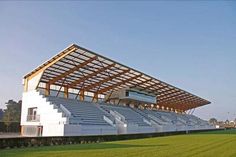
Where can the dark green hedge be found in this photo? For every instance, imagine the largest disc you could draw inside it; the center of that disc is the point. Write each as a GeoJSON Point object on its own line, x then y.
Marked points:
{"type": "Point", "coordinates": [62, 140]}
{"type": "Point", "coordinates": [13, 127]}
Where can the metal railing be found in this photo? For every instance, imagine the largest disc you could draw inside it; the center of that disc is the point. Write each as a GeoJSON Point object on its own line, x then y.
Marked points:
{"type": "Point", "coordinates": [33, 118]}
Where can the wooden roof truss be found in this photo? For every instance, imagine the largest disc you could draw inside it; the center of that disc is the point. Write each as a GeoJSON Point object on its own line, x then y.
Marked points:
{"type": "Point", "coordinates": [81, 69]}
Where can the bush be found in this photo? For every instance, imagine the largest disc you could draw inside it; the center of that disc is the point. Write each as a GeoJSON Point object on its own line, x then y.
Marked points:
{"type": "Point", "coordinates": [62, 140]}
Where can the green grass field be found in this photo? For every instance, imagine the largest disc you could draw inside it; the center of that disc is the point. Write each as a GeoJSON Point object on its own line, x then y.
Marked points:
{"type": "Point", "coordinates": [210, 144]}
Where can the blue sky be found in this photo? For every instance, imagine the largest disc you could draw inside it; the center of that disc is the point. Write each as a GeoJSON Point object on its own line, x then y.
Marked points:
{"type": "Point", "coordinates": [191, 45]}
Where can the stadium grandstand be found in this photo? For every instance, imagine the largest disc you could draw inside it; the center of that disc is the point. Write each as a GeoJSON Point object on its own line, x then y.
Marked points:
{"type": "Point", "coordinates": [79, 92]}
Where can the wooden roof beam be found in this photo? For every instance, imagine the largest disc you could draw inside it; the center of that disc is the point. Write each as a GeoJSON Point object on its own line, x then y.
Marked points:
{"type": "Point", "coordinates": [182, 99]}
{"type": "Point", "coordinates": [50, 62]}
{"type": "Point", "coordinates": [177, 97]}
{"type": "Point", "coordinates": [73, 84]}
{"type": "Point", "coordinates": [76, 68]}
{"type": "Point", "coordinates": [167, 96]}
{"type": "Point", "coordinates": [156, 89]}
{"type": "Point", "coordinates": [177, 102]}
{"type": "Point", "coordinates": [167, 92]}
{"type": "Point", "coordinates": [143, 88]}
{"type": "Point", "coordinates": [187, 106]}
{"type": "Point", "coordinates": [142, 82]}
{"type": "Point", "coordinates": [177, 105]}
{"type": "Point", "coordinates": [118, 84]}
{"type": "Point", "coordinates": [92, 86]}
{"type": "Point", "coordinates": [151, 85]}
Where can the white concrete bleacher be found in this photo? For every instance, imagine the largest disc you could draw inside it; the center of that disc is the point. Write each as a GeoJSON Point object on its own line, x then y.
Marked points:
{"type": "Point", "coordinates": [130, 120]}
{"type": "Point", "coordinates": [87, 115]}
{"type": "Point", "coordinates": [86, 118]}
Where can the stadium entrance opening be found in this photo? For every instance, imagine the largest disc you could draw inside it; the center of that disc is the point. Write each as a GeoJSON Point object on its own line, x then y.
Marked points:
{"type": "Point", "coordinates": [40, 130]}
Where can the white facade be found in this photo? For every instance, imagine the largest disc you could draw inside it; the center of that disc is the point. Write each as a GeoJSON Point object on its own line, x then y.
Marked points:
{"type": "Point", "coordinates": [49, 117]}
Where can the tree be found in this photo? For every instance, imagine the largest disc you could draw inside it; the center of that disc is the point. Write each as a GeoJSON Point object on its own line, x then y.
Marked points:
{"type": "Point", "coordinates": [213, 121]}
{"type": "Point", "coordinates": [1, 114]}
{"type": "Point", "coordinates": [12, 113]}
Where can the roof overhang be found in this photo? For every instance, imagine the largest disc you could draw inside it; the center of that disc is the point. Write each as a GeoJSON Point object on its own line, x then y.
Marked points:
{"type": "Point", "coordinates": [79, 68]}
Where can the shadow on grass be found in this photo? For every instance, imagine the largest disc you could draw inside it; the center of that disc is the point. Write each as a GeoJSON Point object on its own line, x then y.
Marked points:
{"type": "Point", "coordinates": [91, 147]}
{"type": "Point", "coordinates": [229, 131]}
{"type": "Point", "coordinates": [115, 145]}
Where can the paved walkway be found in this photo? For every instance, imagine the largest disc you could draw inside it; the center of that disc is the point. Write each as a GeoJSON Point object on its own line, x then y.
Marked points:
{"type": "Point", "coordinates": [9, 135]}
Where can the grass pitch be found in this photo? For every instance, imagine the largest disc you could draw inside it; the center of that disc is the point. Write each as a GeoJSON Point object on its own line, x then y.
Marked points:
{"type": "Point", "coordinates": [210, 144]}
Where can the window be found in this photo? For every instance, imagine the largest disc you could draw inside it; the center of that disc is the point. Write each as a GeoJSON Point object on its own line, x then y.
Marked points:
{"type": "Point", "coordinates": [32, 114]}
{"type": "Point", "coordinates": [127, 93]}
{"type": "Point", "coordinates": [141, 96]}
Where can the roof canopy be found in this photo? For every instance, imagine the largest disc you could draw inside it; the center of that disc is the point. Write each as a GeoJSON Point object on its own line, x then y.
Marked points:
{"type": "Point", "coordinates": [81, 69]}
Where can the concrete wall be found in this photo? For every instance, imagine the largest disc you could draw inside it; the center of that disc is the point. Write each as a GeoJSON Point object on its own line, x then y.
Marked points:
{"type": "Point", "coordinates": [132, 129]}
{"type": "Point", "coordinates": [51, 120]}
{"type": "Point", "coordinates": [33, 83]}
{"type": "Point", "coordinates": [77, 130]}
